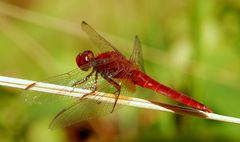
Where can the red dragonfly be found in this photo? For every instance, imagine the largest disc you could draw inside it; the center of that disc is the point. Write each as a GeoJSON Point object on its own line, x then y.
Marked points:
{"type": "Point", "coordinates": [109, 71]}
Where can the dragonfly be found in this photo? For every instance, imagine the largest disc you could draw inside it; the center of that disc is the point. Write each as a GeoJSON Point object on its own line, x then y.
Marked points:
{"type": "Point", "coordinates": [109, 71]}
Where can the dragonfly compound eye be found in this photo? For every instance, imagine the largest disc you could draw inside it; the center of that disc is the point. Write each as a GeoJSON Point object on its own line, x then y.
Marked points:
{"type": "Point", "coordinates": [84, 60]}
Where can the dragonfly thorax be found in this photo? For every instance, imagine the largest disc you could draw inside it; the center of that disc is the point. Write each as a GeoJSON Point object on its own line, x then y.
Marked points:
{"type": "Point", "coordinates": [85, 60]}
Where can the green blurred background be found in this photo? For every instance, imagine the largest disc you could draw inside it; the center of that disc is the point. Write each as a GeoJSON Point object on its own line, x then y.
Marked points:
{"type": "Point", "coordinates": [192, 46]}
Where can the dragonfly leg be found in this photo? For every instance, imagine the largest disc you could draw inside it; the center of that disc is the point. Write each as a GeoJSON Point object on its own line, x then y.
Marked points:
{"type": "Point", "coordinates": [117, 92]}
{"type": "Point", "coordinates": [94, 88]}
{"type": "Point", "coordinates": [83, 80]}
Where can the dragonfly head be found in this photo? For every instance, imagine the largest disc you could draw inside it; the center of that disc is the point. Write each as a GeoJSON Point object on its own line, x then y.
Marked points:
{"type": "Point", "coordinates": [84, 60]}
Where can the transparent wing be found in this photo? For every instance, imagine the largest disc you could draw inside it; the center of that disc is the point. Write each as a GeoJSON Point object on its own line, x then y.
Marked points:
{"type": "Point", "coordinates": [80, 110]}
{"type": "Point", "coordinates": [96, 38]}
{"type": "Point", "coordinates": [137, 56]}
{"type": "Point", "coordinates": [86, 108]}
{"type": "Point", "coordinates": [66, 79]}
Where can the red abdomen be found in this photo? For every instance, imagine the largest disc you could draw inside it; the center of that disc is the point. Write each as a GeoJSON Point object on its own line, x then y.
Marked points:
{"type": "Point", "coordinates": [143, 80]}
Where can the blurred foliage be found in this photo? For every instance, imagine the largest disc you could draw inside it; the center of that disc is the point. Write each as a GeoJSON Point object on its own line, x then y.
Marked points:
{"type": "Point", "coordinates": [192, 46]}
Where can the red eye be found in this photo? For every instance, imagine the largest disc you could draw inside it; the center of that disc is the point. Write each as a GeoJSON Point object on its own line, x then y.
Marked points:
{"type": "Point", "coordinates": [84, 60]}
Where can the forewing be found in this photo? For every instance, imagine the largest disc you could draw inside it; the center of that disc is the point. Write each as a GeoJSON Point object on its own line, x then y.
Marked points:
{"type": "Point", "coordinates": [137, 56]}
{"type": "Point", "coordinates": [97, 39]}
{"type": "Point", "coordinates": [65, 80]}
